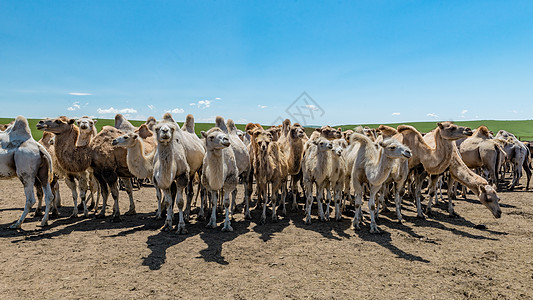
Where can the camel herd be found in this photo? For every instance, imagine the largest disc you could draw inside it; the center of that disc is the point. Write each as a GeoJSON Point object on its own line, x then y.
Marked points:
{"type": "Point", "coordinates": [376, 164]}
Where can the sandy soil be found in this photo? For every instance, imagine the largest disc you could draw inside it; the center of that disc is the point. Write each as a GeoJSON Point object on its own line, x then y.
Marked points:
{"type": "Point", "coordinates": [441, 257]}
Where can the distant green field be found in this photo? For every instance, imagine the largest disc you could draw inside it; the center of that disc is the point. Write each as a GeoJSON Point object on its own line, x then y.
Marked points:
{"type": "Point", "coordinates": [522, 129]}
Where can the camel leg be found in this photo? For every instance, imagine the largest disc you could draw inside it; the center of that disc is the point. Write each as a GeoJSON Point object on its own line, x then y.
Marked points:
{"type": "Point", "coordinates": [450, 207]}
{"type": "Point", "coordinates": [338, 197]}
{"type": "Point", "coordinates": [398, 201]}
{"type": "Point", "coordinates": [319, 200]}
{"type": "Point", "coordinates": [294, 192]}
{"type": "Point", "coordinates": [265, 203]}
{"type": "Point", "coordinates": [274, 196]}
{"type": "Point", "coordinates": [213, 221]}
{"type": "Point", "coordinates": [373, 209]}
{"type": "Point", "coordinates": [418, 191]}
{"type": "Point", "coordinates": [113, 186]}
{"type": "Point", "coordinates": [309, 201]}
{"type": "Point", "coordinates": [159, 200]}
{"type": "Point", "coordinates": [201, 213]}
{"type": "Point", "coordinates": [233, 202]}
{"type": "Point", "coordinates": [247, 196]}
{"type": "Point", "coordinates": [169, 203]}
{"type": "Point", "coordinates": [39, 193]}
{"type": "Point", "coordinates": [83, 186]}
{"type": "Point", "coordinates": [28, 182]}
{"type": "Point", "coordinates": [181, 203]}
{"type": "Point", "coordinates": [432, 187]}
{"type": "Point", "coordinates": [226, 202]}
{"type": "Point", "coordinates": [328, 197]}
{"type": "Point", "coordinates": [129, 189]}
{"type": "Point", "coordinates": [190, 194]}
{"type": "Point", "coordinates": [283, 196]}
{"type": "Point", "coordinates": [69, 180]}
{"type": "Point", "coordinates": [358, 203]}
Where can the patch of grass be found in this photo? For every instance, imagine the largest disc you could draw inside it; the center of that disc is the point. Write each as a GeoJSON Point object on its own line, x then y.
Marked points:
{"type": "Point", "coordinates": [523, 129]}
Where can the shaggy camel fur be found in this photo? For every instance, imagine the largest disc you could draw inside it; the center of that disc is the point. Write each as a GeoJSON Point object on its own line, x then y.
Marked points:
{"type": "Point", "coordinates": [327, 131]}
{"type": "Point", "coordinates": [171, 170]}
{"type": "Point", "coordinates": [292, 144]}
{"type": "Point", "coordinates": [140, 160]}
{"type": "Point", "coordinates": [270, 167]}
{"type": "Point", "coordinates": [316, 167]}
{"type": "Point", "coordinates": [87, 132]}
{"type": "Point", "coordinates": [434, 160]}
{"type": "Point", "coordinates": [219, 173]}
{"type": "Point", "coordinates": [22, 156]}
{"type": "Point", "coordinates": [460, 172]}
{"type": "Point", "coordinates": [480, 150]}
{"type": "Point", "coordinates": [242, 157]}
{"type": "Point", "coordinates": [47, 141]}
{"type": "Point", "coordinates": [519, 156]}
{"type": "Point", "coordinates": [373, 166]}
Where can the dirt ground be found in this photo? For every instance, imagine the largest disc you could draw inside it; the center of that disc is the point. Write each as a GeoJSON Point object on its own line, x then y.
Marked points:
{"type": "Point", "coordinates": [438, 258]}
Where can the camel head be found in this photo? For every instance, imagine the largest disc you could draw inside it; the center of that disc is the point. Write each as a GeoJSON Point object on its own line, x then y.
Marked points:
{"type": "Point", "coordinates": [329, 132]}
{"type": "Point", "coordinates": [127, 140]}
{"type": "Point", "coordinates": [57, 125]}
{"type": "Point", "coordinates": [296, 131]}
{"type": "Point", "coordinates": [150, 122]}
{"type": "Point", "coordinates": [489, 198]}
{"type": "Point", "coordinates": [450, 131]}
{"type": "Point", "coordinates": [323, 144]}
{"type": "Point", "coordinates": [165, 129]}
{"type": "Point", "coordinates": [346, 135]}
{"type": "Point", "coordinates": [241, 134]}
{"type": "Point", "coordinates": [394, 149]}
{"type": "Point", "coordinates": [338, 146]}
{"type": "Point", "coordinates": [275, 131]}
{"type": "Point", "coordinates": [48, 138]}
{"type": "Point", "coordinates": [216, 139]}
{"type": "Point", "coordinates": [263, 139]}
{"type": "Point", "coordinates": [86, 124]}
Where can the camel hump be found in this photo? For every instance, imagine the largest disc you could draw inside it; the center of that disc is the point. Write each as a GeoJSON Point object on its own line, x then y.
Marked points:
{"type": "Point", "coordinates": [168, 117]}
{"type": "Point", "coordinates": [219, 122]}
{"type": "Point", "coordinates": [484, 130]}
{"type": "Point", "coordinates": [360, 138]}
{"type": "Point", "coordinates": [402, 128]}
{"type": "Point", "coordinates": [231, 126]}
{"type": "Point", "coordinates": [144, 132]}
{"type": "Point", "coordinates": [189, 124]}
{"type": "Point", "coordinates": [20, 128]}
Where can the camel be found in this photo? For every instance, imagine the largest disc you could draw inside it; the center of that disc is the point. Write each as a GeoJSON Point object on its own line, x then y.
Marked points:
{"type": "Point", "coordinates": [373, 166]}
{"type": "Point", "coordinates": [434, 160]}
{"type": "Point", "coordinates": [292, 144]}
{"type": "Point", "coordinates": [398, 175]}
{"type": "Point", "coordinates": [47, 141]}
{"type": "Point", "coordinates": [242, 157]}
{"type": "Point", "coordinates": [140, 159]}
{"type": "Point", "coordinates": [460, 172]}
{"type": "Point", "coordinates": [150, 123]}
{"type": "Point", "coordinates": [518, 154]}
{"type": "Point", "coordinates": [270, 167]}
{"type": "Point", "coordinates": [480, 150]}
{"type": "Point", "coordinates": [171, 170]}
{"type": "Point", "coordinates": [87, 132]}
{"type": "Point", "coordinates": [219, 173]}
{"type": "Point", "coordinates": [67, 156]}
{"type": "Point", "coordinates": [315, 168]}
{"type": "Point", "coordinates": [327, 131]}
{"type": "Point", "coordinates": [23, 157]}
{"type": "Point", "coordinates": [337, 167]}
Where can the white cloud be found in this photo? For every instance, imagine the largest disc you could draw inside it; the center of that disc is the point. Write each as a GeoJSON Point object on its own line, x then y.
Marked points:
{"type": "Point", "coordinates": [514, 111]}
{"type": "Point", "coordinates": [204, 104]}
{"type": "Point", "coordinates": [177, 111]}
{"type": "Point", "coordinates": [464, 111]}
{"type": "Point", "coordinates": [113, 110]}
{"type": "Point", "coordinates": [395, 113]}
{"type": "Point", "coordinates": [79, 94]}
{"type": "Point", "coordinates": [71, 108]}
{"type": "Point", "coordinates": [192, 104]}
{"type": "Point", "coordinates": [217, 98]}
{"type": "Point", "coordinates": [262, 106]}
{"type": "Point", "coordinates": [312, 107]}
{"type": "Point", "coordinates": [432, 115]}
{"type": "Point", "coordinates": [151, 107]}
{"type": "Point", "coordinates": [75, 106]}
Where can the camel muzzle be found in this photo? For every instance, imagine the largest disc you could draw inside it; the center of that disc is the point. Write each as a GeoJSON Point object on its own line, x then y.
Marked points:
{"type": "Point", "coordinates": [114, 142]}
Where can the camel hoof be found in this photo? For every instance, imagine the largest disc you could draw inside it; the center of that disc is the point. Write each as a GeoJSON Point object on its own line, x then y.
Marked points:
{"type": "Point", "coordinates": [400, 221]}
{"type": "Point", "coordinates": [182, 230]}
{"type": "Point", "coordinates": [54, 214]}
{"type": "Point", "coordinates": [99, 216]}
{"type": "Point", "coordinates": [43, 224]}
{"type": "Point", "coordinates": [130, 212]}
{"type": "Point", "coordinates": [116, 219]}
{"type": "Point", "coordinates": [421, 217]}
{"type": "Point", "coordinates": [211, 224]}
{"type": "Point", "coordinates": [227, 229]}
{"type": "Point", "coordinates": [165, 228]}
{"type": "Point", "coordinates": [454, 215]}
{"type": "Point", "coordinates": [374, 230]}
{"type": "Point", "coordinates": [73, 216]}
{"type": "Point", "coordinates": [308, 221]}
{"type": "Point", "coordinates": [262, 221]}
{"type": "Point", "coordinates": [247, 216]}
{"type": "Point", "coordinates": [38, 213]}
{"type": "Point", "coordinates": [15, 226]}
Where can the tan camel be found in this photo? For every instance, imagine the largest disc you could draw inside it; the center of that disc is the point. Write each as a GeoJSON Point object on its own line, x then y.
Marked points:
{"type": "Point", "coordinates": [21, 156]}
{"type": "Point", "coordinates": [460, 172]}
{"type": "Point", "coordinates": [480, 150]}
{"type": "Point", "coordinates": [171, 170]}
{"type": "Point", "coordinates": [122, 124]}
{"type": "Point", "coordinates": [337, 167]}
{"type": "Point", "coordinates": [434, 160]}
{"type": "Point", "coordinates": [373, 166]}
{"type": "Point", "coordinates": [3, 127]}
{"type": "Point", "coordinates": [219, 173]}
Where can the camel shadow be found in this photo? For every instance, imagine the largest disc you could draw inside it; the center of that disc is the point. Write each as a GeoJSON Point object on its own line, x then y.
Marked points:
{"type": "Point", "coordinates": [214, 239]}
{"type": "Point", "coordinates": [158, 245]}
{"type": "Point", "coordinates": [332, 229]}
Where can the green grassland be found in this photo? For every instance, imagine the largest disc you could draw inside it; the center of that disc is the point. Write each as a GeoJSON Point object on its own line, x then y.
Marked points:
{"type": "Point", "coordinates": [522, 129]}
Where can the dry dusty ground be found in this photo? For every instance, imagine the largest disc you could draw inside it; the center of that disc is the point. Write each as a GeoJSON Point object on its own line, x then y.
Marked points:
{"type": "Point", "coordinates": [441, 258]}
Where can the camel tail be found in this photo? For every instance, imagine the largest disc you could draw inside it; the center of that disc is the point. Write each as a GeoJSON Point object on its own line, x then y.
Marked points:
{"type": "Point", "coordinates": [497, 166]}
{"type": "Point", "coordinates": [189, 124]}
{"type": "Point", "coordinates": [231, 126]}
{"type": "Point", "coordinates": [219, 122]}
{"type": "Point", "coordinates": [48, 159]}
{"type": "Point", "coordinates": [359, 138]}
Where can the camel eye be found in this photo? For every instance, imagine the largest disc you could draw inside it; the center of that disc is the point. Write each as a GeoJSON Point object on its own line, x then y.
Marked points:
{"type": "Point", "coordinates": [58, 122]}
{"type": "Point", "coordinates": [393, 147]}
{"type": "Point", "coordinates": [212, 138]}
{"type": "Point", "coordinates": [125, 137]}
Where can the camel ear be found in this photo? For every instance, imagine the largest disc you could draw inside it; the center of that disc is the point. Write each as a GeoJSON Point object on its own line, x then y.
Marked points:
{"type": "Point", "coordinates": [135, 136]}
{"type": "Point", "coordinates": [440, 125]}
{"type": "Point", "coordinates": [318, 129]}
{"type": "Point", "coordinates": [94, 121]}
{"type": "Point", "coordinates": [71, 121]}
{"type": "Point", "coordinates": [203, 133]}
{"type": "Point", "coordinates": [381, 144]}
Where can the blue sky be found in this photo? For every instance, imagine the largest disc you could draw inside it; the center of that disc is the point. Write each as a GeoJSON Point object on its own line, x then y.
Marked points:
{"type": "Point", "coordinates": [360, 61]}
